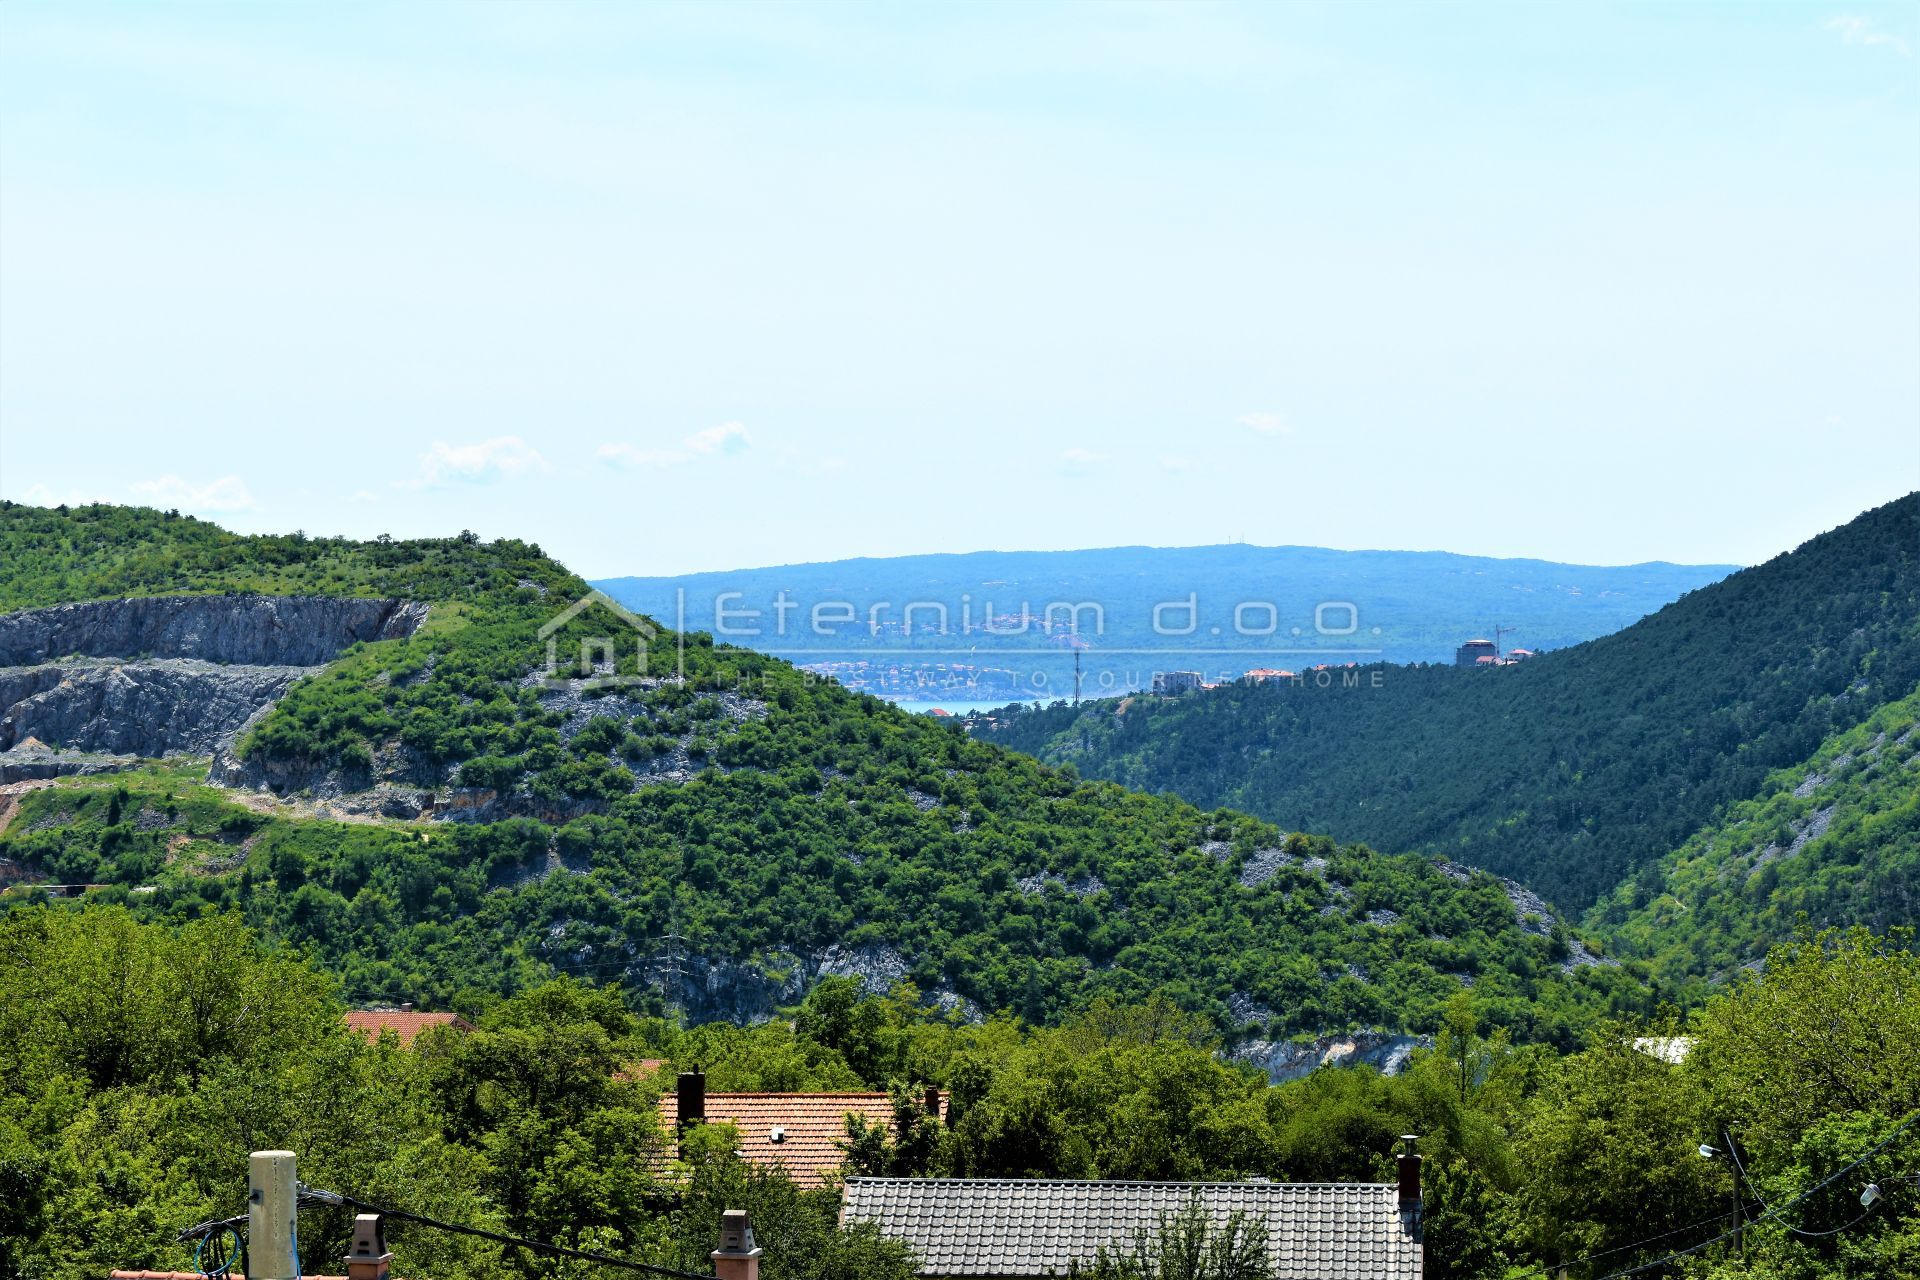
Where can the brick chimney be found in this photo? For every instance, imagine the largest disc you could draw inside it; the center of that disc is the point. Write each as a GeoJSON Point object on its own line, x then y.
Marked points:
{"type": "Point", "coordinates": [1412, 1211]}
{"type": "Point", "coordinates": [1409, 1173]}
{"type": "Point", "coordinates": [368, 1259]}
{"type": "Point", "coordinates": [738, 1257]}
{"type": "Point", "coordinates": [691, 1089]}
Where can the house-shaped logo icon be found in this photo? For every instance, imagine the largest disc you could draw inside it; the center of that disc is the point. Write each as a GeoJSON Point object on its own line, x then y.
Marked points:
{"type": "Point", "coordinates": [599, 654]}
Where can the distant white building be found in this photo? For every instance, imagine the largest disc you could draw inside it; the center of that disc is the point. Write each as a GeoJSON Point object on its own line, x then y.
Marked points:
{"type": "Point", "coordinates": [1672, 1049]}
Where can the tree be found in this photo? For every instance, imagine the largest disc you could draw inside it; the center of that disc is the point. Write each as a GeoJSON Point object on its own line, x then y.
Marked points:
{"type": "Point", "coordinates": [1187, 1244]}
{"type": "Point", "coordinates": [1609, 1147]}
{"type": "Point", "coordinates": [905, 1147]}
{"type": "Point", "coordinates": [1828, 1029]}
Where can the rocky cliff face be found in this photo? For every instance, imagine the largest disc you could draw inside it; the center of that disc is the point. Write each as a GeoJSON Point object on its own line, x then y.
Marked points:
{"type": "Point", "coordinates": [274, 631]}
{"type": "Point", "coordinates": [141, 709]}
{"type": "Point", "coordinates": [1284, 1060]}
{"type": "Point", "coordinates": [162, 676]}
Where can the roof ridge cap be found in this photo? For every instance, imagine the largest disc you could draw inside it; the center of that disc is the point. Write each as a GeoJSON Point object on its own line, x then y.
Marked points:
{"type": "Point", "coordinates": [796, 1093]}
{"type": "Point", "coordinates": [1128, 1182]}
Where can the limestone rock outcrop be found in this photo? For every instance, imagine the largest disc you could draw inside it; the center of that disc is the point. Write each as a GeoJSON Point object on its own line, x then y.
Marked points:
{"type": "Point", "coordinates": [254, 630]}
{"type": "Point", "coordinates": [88, 686]}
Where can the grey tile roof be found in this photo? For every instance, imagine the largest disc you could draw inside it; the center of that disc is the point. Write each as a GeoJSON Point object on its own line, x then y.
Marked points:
{"type": "Point", "coordinates": [1017, 1228]}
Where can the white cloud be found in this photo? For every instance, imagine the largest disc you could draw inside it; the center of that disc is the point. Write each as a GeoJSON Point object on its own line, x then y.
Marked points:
{"type": "Point", "coordinates": [1857, 30]}
{"type": "Point", "coordinates": [1266, 424]}
{"type": "Point", "coordinates": [226, 493]}
{"type": "Point", "coordinates": [1175, 465]}
{"type": "Point", "coordinates": [727, 438]}
{"type": "Point", "coordinates": [364, 495]}
{"type": "Point", "coordinates": [1080, 462]}
{"type": "Point", "coordinates": [480, 463]}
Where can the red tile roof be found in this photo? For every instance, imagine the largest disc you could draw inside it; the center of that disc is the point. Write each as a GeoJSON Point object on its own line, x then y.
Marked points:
{"type": "Point", "coordinates": [371, 1022]}
{"type": "Point", "coordinates": [635, 1072]}
{"type": "Point", "coordinates": [813, 1126]}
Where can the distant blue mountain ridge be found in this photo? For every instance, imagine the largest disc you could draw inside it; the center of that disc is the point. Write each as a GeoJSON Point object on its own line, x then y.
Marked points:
{"type": "Point", "coordinates": [990, 625]}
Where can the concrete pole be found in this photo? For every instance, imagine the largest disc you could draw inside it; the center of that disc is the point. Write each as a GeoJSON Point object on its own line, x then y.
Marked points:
{"type": "Point", "coordinates": [270, 1216]}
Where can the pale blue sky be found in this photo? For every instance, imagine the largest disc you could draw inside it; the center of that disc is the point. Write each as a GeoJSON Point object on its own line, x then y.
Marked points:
{"type": "Point", "coordinates": [668, 287]}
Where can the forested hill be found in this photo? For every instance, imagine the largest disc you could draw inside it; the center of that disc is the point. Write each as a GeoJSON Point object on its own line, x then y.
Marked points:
{"type": "Point", "coordinates": [426, 814]}
{"type": "Point", "coordinates": [1834, 838]}
{"type": "Point", "coordinates": [1568, 771]}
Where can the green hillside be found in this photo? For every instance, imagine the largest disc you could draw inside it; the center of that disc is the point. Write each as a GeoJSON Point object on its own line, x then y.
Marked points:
{"type": "Point", "coordinates": [1568, 771]}
{"type": "Point", "coordinates": [771, 823]}
{"type": "Point", "coordinates": [52, 555]}
{"type": "Point", "coordinates": [1836, 838]}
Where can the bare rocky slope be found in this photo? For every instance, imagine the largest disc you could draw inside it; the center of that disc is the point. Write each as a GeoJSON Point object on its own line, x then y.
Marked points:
{"type": "Point", "coordinates": [88, 686]}
{"type": "Point", "coordinates": [257, 630]}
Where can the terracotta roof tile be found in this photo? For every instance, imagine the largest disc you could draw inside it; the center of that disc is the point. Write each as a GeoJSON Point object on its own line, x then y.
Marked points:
{"type": "Point", "coordinates": [813, 1126]}
{"type": "Point", "coordinates": [636, 1072]}
{"type": "Point", "coordinates": [371, 1022]}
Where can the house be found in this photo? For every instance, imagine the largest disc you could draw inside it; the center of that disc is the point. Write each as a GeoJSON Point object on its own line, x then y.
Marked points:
{"type": "Point", "coordinates": [1025, 1229]}
{"type": "Point", "coordinates": [1260, 675]}
{"type": "Point", "coordinates": [1177, 681]}
{"type": "Point", "coordinates": [803, 1133]}
{"type": "Point", "coordinates": [403, 1022]}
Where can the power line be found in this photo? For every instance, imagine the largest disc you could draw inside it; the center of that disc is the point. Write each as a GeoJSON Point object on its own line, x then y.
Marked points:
{"type": "Point", "coordinates": [1733, 1152]}
{"type": "Point", "coordinates": [1547, 1272]}
{"type": "Point", "coordinates": [1637, 1244]}
{"type": "Point", "coordinates": [1778, 1209]}
{"type": "Point", "coordinates": [535, 1246]}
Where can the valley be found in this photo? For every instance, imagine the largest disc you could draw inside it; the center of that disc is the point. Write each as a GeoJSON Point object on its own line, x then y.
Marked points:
{"type": "Point", "coordinates": [839, 640]}
{"type": "Point", "coordinates": [1570, 771]}
{"type": "Point", "coordinates": [779, 829]}
{"type": "Point", "coordinates": [444, 774]}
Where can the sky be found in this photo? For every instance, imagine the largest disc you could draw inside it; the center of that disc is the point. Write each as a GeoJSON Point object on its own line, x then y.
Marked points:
{"type": "Point", "coordinates": [670, 288]}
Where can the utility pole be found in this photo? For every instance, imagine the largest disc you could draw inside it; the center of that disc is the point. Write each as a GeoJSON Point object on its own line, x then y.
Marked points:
{"type": "Point", "coordinates": [674, 972]}
{"type": "Point", "coordinates": [1739, 1227]}
{"type": "Point", "coordinates": [270, 1216]}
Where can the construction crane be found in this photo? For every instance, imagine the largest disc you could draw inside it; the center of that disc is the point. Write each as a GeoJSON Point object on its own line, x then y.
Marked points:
{"type": "Point", "coordinates": [1499, 631]}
